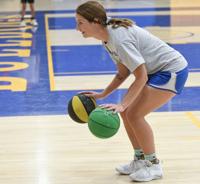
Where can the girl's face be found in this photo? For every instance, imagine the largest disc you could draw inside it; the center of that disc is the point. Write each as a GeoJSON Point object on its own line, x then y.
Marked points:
{"type": "Point", "coordinates": [85, 27]}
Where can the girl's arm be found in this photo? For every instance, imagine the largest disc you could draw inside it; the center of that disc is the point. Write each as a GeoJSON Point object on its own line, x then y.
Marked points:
{"type": "Point", "coordinates": [119, 78]}
{"type": "Point", "coordinates": [136, 87]}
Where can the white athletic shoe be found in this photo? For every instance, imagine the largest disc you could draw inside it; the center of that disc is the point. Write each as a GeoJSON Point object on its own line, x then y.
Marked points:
{"type": "Point", "coordinates": [148, 172]}
{"type": "Point", "coordinates": [34, 22]}
{"type": "Point", "coordinates": [22, 23]}
{"type": "Point", "coordinates": [131, 167]}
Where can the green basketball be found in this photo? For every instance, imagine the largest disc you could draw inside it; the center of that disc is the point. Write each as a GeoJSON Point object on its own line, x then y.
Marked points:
{"type": "Point", "coordinates": [103, 123]}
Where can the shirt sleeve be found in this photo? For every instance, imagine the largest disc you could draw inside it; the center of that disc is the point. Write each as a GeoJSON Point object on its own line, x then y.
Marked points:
{"type": "Point", "coordinates": [130, 56]}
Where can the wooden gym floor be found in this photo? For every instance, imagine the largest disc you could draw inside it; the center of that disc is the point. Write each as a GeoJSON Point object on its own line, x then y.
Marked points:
{"type": "Point", "coordinates": [40, 144]}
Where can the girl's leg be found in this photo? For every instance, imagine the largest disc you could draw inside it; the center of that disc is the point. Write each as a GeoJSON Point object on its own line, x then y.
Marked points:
{"type": "Point", "coordinates": [129, 129]}
{"type": "Point", "coordinates": [130, 132]}
{"type": "Point", "coordinates": [138, 160]}
{"type": "Point", "coordinates": [150, 100]}
{"type": "Point", "coordinates": [23, 11]}
{"type": "Point", "coordinates": [32, 10]}
{"type": "Point", "coordinates": [33, 22]}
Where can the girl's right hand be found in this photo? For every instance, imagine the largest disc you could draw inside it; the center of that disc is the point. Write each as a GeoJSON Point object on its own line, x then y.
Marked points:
{"type": "Point", "coordinates": [93, 94]}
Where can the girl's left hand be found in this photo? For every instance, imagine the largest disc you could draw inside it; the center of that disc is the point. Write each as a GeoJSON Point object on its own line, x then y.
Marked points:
{"type": "Point", "coordinates": [115, 107]}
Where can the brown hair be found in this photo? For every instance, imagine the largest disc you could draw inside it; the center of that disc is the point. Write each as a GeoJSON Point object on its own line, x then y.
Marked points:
{"type": "Point", "coordinates": [95, 12]}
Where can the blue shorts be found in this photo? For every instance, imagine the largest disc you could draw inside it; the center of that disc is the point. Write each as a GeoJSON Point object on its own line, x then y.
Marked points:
{"type": "Point", "coordinates": [170, 81]}
{"type": "Point", "coordinates": [27, 1]}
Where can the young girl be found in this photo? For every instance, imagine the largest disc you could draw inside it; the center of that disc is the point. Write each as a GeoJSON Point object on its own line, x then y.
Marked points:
{"type": "Point", "coordinates": [23, 11]}
{"type": "Point", "coordinates": [160, 73]}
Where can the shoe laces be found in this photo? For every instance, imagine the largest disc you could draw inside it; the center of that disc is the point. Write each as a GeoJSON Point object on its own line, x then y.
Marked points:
{"type": "Point", "coordinates": [133, 162]}
{"type": "Point", "coordinates": [148, 163]}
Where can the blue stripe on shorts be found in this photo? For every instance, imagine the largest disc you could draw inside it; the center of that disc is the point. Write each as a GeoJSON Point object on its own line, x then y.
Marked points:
{"type": "Point", "coordinates": [170, 81]}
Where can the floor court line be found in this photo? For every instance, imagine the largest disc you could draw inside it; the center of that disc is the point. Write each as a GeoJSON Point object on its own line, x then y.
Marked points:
{"type": "Point", "coordinates": [193, 118]}
{"type": "Point", "coordinates": [100, 81]}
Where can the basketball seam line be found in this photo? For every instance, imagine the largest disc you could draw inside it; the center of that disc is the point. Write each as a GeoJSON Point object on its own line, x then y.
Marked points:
{"type": "Point", "coordinates": [115, 118]}
{"type": "Point", "coordinates": [84, 104]}
{"type": "Point", "coordinates": [105, 126]}
{"type": "Point", "coordinates": [72, 114]}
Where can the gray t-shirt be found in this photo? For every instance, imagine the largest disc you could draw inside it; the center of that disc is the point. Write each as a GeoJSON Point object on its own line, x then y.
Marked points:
{"type": "Point", "coordinates": [135, 46]}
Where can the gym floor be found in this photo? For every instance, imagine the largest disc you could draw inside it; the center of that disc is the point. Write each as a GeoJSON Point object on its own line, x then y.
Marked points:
{"type": "Point", "coordinates": [43, 67]}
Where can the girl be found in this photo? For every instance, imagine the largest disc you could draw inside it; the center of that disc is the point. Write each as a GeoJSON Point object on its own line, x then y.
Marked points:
{"type": "Point", "coordinates": [160, 73]}
{"type": "Point", "coordinates": [23, 11]}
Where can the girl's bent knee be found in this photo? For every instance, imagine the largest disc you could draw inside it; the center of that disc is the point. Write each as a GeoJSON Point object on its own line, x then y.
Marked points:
{"type": "Point", "coordinates": [133, 114]}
